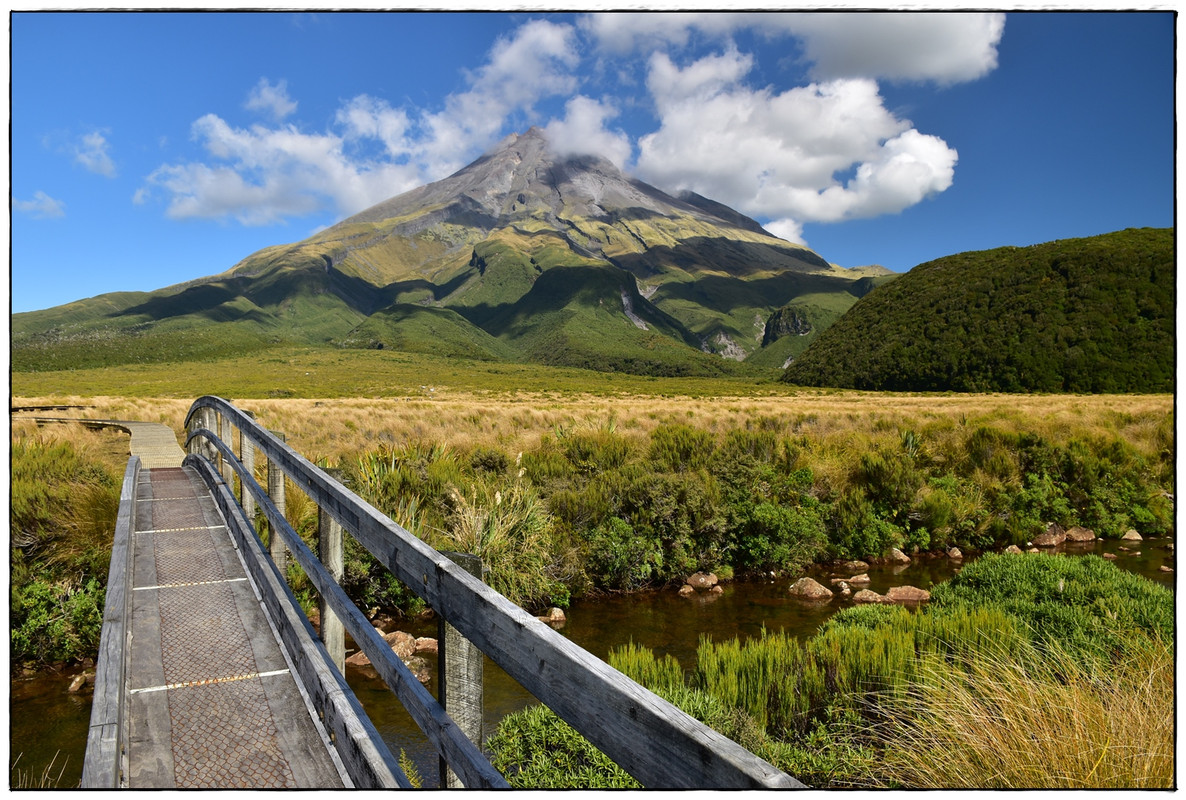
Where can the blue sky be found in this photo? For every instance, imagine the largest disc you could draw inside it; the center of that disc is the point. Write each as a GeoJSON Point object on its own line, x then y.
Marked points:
{"type": "Point", "coordinates": [149, 149]}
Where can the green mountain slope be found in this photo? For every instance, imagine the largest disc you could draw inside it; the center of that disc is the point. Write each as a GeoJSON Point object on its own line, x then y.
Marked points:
{"type": "Point", "coordinates": [1076, 315]}
{"type": "Point", "coordinates": [483, 243]}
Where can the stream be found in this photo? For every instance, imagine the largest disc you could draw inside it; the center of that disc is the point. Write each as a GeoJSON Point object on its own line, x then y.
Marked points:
{"type": "Point", "coordinates": [49, 725]}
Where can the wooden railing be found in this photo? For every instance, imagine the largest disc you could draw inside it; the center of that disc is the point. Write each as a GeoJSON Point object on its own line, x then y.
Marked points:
{"type": "Point", "coordinates": [106, 736]}
{"type": "Point", "coordinates": [654, 741]}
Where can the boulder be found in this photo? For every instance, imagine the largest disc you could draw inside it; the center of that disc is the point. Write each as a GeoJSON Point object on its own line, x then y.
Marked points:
{"type": "Point", "coordinates": [809, 589]}
{"type": "Point", "coordinates": [860, 580]}
{"type": "Point", "coordinates": [868, 596]}
{"type": "Point", "coordinates": [1013, 550]}
{"type": "Point", "coordinates": [686, 591]}
{"type": "Point", "coordinates": [718, 589]}
{"type": "Point", "coordinates": [77, 683]}
{"type": "Point", "coordinates": [1131, 536]}
{"type": "Point", "coordinates": [425, 644]}
{"type": "Point", "coordinates": [896, 556]}
{"type": "Point", "coordinates": [1053, 537]}
{"type": "Point", "coordinates": [419, 668]}
{"type": "Point", "coordinates": [1080, 534]}
{"type": "Point", "coordinates": [1164, 568]}
{"type": "Point", "coordinates": [844, 591]}
{"type": "Point", "coordinates": [854, 566]}
{"type": "Point", "coordinates": [555, 616]}
{"type": "Point", "coordinates": [908, 594]}
{"type": "Point", "coordinates": [955, 555]}
{"type": "Point", "coordinates": [1110, 555]}
{"type": "Point", "coordinates": [402, 644]}
{"type": "Point", "coordinates": [702, 580]}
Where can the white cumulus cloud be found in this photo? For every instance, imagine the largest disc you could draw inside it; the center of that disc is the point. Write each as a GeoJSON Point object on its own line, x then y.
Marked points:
{"type": "Point", "coordinates": [534, 63]}
{"type": "Point", "coordinates": [271, 99]}
{"type": "Point", "coordinates": [269, 174]}
{"type": "Point", "coordinates": [895, 45]}
{"type": "Point", "coordinates": [264, 174]}
{"type": "Point", "coordinates": [583, 131]}
{"type": "Point", "coordinates": [900, 46]}
{"type": "Point", "coordinates": [92, 152]}
{"type": "Point", "coordinates": [778, 155]}
{"type": "Point", "coordinates": [42, 206]}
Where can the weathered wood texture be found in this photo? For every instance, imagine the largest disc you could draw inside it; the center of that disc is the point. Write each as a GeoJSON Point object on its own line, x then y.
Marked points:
{"type": "Point", "coordinates": [650, 738]}
{"type": "Point", "coordinates": [101, 766]}
{"type": "Point", "coordinates": [329, 550]}
{"type": "Point", "coordinates": [461, 669]}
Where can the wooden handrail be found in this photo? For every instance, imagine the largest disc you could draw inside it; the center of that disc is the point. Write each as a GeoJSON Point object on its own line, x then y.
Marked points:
{"type": "Point", "coordinates": [463, 754]}
{"type": "Point", "coordinates": [650, 738]}
{"type": "Point", "coordinates": [101, 763]}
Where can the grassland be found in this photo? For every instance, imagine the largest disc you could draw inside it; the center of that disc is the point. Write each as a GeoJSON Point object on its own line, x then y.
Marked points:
{"type": "Point", "coordinates": [334, 402]}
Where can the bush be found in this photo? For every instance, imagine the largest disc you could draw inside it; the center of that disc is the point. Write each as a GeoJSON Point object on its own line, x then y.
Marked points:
{"type": "Point", "coordinates": [1085, 604]}
{"type": "Point", "coordinates": [769, 536]}
{"type": "Point", "coordinates": [680, 448]}
{"type": "Point", "coordinates": [54, 622]}
{"type": "Point", "coordinates": [618, 558]}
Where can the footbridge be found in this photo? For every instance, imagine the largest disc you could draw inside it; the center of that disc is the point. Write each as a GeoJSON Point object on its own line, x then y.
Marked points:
{"type": "Point", "coordinates": [210, 675]}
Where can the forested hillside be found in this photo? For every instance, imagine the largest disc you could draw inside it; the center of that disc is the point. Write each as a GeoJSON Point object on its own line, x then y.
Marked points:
{"type": "Point", "coordinates": [1075, 315]}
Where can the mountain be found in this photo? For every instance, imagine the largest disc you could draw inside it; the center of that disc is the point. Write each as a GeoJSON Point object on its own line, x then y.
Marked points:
{"type": "Point", "coordinates": [1076, 315]}
{"type": "Point", "coordinates": [522, 255]}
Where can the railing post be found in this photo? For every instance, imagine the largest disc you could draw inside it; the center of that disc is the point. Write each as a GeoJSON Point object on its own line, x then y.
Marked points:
{"type": "Point", "coordinates": [460, 666]}
{"type": "Point", "coordinates": [276, 546]}
{"type": "Point", "coordinates": [247, 457]}
{"type": "Point", "coordinates": [210, 423]}
{"type": "Point", "coordinates": [329, 551]}
{"type": "Point", "coordinates": [227, 435]}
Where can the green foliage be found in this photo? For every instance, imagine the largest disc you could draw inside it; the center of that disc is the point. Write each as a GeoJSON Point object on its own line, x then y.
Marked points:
{"type": "Point", "coordinates": [1075, 315]}
{"type": "Point", "coordinates": [535, 749]}
{"type": "Point", "coordinates": [1085, 605]}
{"type": "Point", "coordinates": [54, 622]}
{"type": "Point", "coordinates": [618, 558]}
{"type": "Point", "coordinates": [680, 448]}
{"type": "Point", "coordinates": [62, 519]}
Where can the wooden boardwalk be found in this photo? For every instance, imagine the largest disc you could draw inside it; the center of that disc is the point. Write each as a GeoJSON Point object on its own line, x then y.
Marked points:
{"type": "Point", "coordinates": [212, 699]}
{"type": "Point", "coordinates": [209, 698]}
{"type": "Point", "coordinates": [209, 675]}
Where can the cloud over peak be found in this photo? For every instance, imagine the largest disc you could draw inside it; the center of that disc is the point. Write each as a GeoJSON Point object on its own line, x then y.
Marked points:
{"type": "Point", "coordinates": [695, 91]}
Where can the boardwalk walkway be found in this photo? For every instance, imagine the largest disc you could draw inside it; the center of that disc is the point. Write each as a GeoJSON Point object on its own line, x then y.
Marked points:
{"type": "Point", "coordinates": [213, 702]}
{"type": "Point", "coordinates": [155, 443]}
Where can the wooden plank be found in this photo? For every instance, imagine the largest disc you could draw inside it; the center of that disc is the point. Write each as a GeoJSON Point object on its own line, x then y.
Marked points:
{"type": "Point", "coordinates": [101, 763]}
{"type": "Point", "coordinates": [650, 738]}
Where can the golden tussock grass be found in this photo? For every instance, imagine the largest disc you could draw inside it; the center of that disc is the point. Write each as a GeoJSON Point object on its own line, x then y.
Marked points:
{"type": "Point", "coordinates": [1054, 723]}
{"type": "Point", "coordinates": [831, 421]}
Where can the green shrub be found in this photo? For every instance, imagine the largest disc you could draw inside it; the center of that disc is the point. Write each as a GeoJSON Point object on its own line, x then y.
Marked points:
{"type": "Point", "coordinates": [490, 460]}
{"type": "Point", "coordinates": [1084, 604]}
{"type": "Point", "coordinates": [619, 558]}
{"type": "Point", "coordinates": [680, 448]}
{"type": "Point", "coordinates": [770, 536]}
{"type": "Point", "coordinates": [55, 621]}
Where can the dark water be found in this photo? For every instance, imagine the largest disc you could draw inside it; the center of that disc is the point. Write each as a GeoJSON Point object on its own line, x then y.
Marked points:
{"type": "Point", "coordinates": [46, 720]}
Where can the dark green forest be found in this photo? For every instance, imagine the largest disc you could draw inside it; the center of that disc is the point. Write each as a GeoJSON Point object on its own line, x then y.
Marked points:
{"type": "Point", "coordinates": [1075, 315]}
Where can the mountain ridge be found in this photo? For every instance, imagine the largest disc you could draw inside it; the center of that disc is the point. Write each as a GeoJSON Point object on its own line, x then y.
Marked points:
{"type": "Point", "coordinates": [477, 242]}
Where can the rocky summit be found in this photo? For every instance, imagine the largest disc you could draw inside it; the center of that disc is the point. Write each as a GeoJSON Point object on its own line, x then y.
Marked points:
{"type": "Point", "coordinates": [524, 255]}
